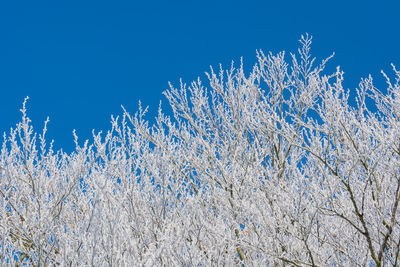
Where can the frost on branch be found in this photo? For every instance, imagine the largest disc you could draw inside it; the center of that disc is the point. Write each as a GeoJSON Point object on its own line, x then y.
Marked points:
{"type": "Point", "coordinates": [271, 168]}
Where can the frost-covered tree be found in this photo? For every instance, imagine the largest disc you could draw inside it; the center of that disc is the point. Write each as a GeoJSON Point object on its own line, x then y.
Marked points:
{"type": "Point", "coordinates": [274, 168]}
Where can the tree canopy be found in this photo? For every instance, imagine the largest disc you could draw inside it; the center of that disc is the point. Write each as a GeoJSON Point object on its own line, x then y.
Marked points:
{"type": "Point", "coordinates": [275, 167]}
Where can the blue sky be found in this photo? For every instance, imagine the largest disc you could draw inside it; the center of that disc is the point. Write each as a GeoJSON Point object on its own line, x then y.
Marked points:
{"type": "Point", "coordinates": [79, 61]}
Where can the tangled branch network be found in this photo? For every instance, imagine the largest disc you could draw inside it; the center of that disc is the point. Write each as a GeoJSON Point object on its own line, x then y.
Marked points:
{"type": "Point", "coordinates": [278, 167]}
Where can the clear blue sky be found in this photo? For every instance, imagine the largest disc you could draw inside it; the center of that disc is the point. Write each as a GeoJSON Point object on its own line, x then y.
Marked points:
{"type": "Point", "coordinates": [79, 61]}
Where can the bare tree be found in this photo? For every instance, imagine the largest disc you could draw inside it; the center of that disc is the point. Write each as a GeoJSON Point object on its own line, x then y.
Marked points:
{"type": "Point", "coordinates": [272, 168]}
